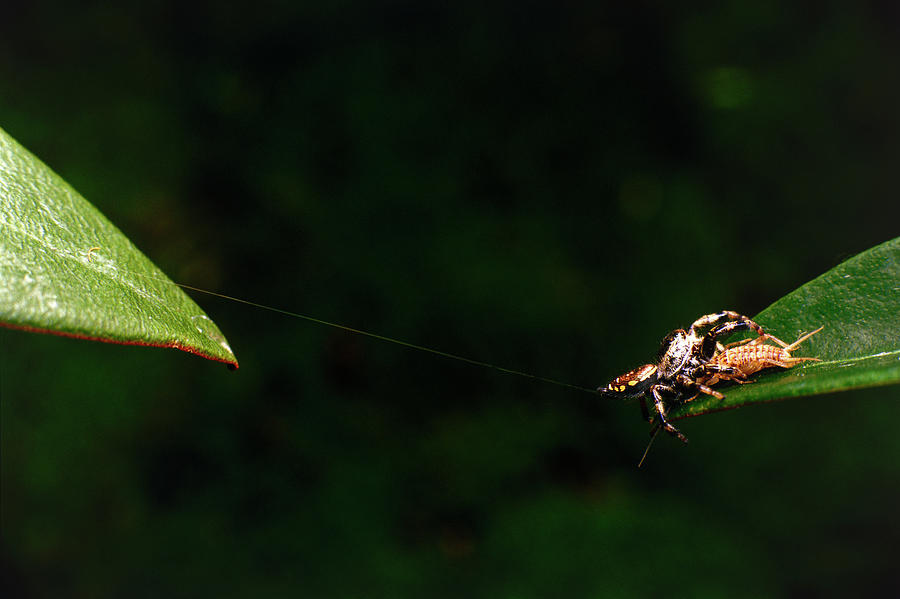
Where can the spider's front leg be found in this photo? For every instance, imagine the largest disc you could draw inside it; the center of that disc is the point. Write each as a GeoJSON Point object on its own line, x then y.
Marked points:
{"type": "Point", "coordinates": [739, 323]}
{"type": "Point", "coordinates": [710, 344]}
{"type": "Point", "coordinates": [723, 330]}
{"type": "Point", "coordinates": [659, 404]}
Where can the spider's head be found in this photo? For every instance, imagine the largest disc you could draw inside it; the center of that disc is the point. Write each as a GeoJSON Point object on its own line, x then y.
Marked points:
{"type": "Point", "coordinates": [631, 384]}
{"type": "Point", "coordinates": [675, 350]}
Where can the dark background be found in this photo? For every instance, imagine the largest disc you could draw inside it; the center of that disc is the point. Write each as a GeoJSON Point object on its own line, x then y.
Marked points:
{"type": "Point", "coordinates": [546, 187]}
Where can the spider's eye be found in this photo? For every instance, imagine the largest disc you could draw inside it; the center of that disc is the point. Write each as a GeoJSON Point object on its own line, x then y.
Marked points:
{"type": "Point", "coordinates": [631, 384]}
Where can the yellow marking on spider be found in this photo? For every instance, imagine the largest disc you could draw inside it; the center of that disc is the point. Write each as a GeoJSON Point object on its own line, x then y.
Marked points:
{"type": "Point", "coordinates": [92, 250]}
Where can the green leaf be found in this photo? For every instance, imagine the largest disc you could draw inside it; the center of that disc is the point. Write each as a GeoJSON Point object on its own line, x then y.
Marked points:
{"type": "Point", "coordinates": [858, 303]}
{"type": "Point", "coordinates": [65, 269]}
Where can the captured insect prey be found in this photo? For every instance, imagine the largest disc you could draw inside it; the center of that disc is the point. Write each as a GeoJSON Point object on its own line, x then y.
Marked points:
{"type": "Point", "coordinates": [690, 362]}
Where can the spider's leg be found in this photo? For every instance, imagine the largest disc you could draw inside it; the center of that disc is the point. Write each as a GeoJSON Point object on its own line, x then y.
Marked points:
{"type": "Point", "coordinates": [644, 412]}
{"type": "Point", "coordinates": [704, 376]}
{"type": "Point", "coordinates": [714, 319]}
{"type": "Point", "coordinates": [725, 373]}
{"type": "Point", "coordinates": [688, 382]}
{"type": "Point", "coordinates": [736, 325]}
{"type": "Point", "coordinates": [709, 391]}
{"type": "Point", "coordinates": [661, 411]}
{"type": "Point", "coordinates": [710, 344]}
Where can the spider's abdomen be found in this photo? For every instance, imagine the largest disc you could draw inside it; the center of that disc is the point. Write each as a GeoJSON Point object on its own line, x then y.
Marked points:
{"type": "Point", "coordinates": [631, 384]}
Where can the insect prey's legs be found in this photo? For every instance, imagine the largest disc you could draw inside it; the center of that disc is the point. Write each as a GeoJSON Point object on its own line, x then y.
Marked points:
{"type": "Point", "coordinates": [752, 340]}
{"type": "Point", "coordinates": [796, 343]}
{"type": "Point", "coordinates": [788, 348]}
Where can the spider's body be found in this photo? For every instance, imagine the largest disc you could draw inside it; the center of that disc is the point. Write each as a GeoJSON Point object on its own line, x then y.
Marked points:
{"type": "Point", "coordinates": [685, 361]}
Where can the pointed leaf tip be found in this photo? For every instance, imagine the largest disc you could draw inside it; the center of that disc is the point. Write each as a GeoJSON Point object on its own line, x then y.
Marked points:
{"type": "Point", "coordinates": [67, 270]}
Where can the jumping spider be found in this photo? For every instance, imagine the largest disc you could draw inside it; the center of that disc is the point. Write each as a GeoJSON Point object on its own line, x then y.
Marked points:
{"type": "Point", "coordinates": [685, 361]}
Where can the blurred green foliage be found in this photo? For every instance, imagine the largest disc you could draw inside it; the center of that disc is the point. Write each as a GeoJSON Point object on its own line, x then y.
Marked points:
{"type": "Point", "coordinates": [547, 187]}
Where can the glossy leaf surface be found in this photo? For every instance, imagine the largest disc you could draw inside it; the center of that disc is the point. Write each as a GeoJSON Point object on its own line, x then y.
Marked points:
{"type": "Point", "coordinates": [66, 270]}
{"type": "Point", "coordinates": [858, 302]}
